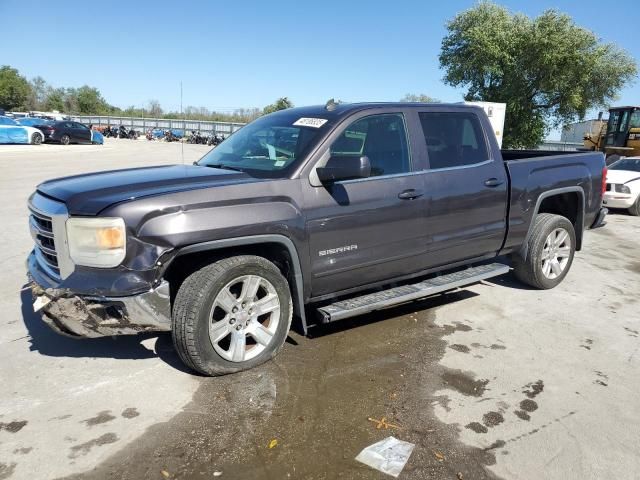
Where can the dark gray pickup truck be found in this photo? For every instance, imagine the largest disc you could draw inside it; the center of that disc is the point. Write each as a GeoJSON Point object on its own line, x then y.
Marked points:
{"type": "Point", "coordinates": [318, 213]}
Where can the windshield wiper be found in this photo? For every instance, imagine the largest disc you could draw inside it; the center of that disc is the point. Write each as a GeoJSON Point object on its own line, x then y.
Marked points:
{"type": "Point", "coordinates": [223, 167]}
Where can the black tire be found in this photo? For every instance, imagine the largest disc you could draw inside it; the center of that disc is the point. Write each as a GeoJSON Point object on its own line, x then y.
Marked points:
{"type": "Point", "coordinates": [36, 139]}
{"type": "Point", "coordinates": [529, 270]}
{"type": "Point", "coordinates": [65, 140]}
{"type": "Point", "coordinates": [635, 209]}
{"type": "Point", "coordinates": [193, 307]}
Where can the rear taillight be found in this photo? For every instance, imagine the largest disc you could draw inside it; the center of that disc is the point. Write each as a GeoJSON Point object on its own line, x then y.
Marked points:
{"type": "Point", "coordinates": [604, 181]}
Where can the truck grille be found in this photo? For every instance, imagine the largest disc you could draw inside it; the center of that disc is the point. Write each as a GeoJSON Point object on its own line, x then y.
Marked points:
{"type": "Point", "coordinates": [42, 233]}
{"type": "Point", "coordinates": [46, 223]}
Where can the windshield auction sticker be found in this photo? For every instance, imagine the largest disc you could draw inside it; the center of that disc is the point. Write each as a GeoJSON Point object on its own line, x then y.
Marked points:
{"type": "Point", "coordinates": [310, 122]}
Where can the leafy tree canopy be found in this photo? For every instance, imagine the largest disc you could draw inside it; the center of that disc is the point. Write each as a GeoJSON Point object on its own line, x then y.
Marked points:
{"type": "Point", "coordinates": [14, 89]}
{"type": "Point", "coordinates": [89, 100]}
{"type": "Point", "coordinates": [16, 93]}
{"type": "Point", "coordinates": [55, 100]}
{"type": "Point", "coordinates": [547, 69]}
{"type": "Point", "coordinates": [421, 98]}
{"type": "Point", "coordinates": [281, 104]}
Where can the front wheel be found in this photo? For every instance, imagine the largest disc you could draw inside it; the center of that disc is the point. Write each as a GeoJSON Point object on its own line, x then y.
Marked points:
{"type": "Point", "coordinates": [231, 315]}
{"type": "Point", "coordinates": [36, 139]}
{"type": "Point", "coordinates": [550, 250]}
{"type": "Point", "coordinates": [635, 208]}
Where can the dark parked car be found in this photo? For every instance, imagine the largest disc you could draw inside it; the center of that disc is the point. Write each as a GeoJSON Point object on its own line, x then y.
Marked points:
{"type": "Point", "coordinates": [65, 132]}
{"type": "Point", "coordinates": [321, 213]}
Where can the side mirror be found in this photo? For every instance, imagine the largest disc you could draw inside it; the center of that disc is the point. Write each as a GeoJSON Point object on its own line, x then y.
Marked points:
{"type": "Point", "coordinates": [344, 168]}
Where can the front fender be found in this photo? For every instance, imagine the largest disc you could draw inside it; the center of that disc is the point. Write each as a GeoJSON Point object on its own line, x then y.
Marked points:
{"type": "Point", "coordinates": [297, 287]}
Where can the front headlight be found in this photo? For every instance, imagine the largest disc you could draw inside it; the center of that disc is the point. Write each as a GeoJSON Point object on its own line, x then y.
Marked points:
{"type": "Point", "coordinates": [622, 189]}
{"type": "Point", "coordinates": [96, 242]}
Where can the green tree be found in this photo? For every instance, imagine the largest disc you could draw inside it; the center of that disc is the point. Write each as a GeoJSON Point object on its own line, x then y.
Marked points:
{"type": "Point", "coordinates": [71, 101]}
{"type": "Point", "coordinates": [422, 98]}
{"type": "Point", "coordinates": [55, 100]}
{"type": "Point", "coordinates": [281, 104]}
{"type": "Point", "coordinates": [14, 89]}
{"type": "Point", "coordinates": [90, 101]}
{"type": "Point", "coordinates": [547, 69]}
{"type": "Point", "coordinates": [38, 93]}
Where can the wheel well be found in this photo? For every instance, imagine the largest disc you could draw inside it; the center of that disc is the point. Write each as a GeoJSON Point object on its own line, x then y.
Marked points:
{"type": "Point", "coordinates": [569, 205]}
{"type": "Point", "coordinates": [184, 265]}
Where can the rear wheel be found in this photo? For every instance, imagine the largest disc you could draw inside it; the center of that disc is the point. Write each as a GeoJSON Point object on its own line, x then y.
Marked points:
{"type": "Point", "coordinates": [635, 209]}
{"type": "Point", "coordinates": [36, 138]}
{"type": "Point", "coordinates": [231, 315]}
{"type": "Point", "coordinates": [65, 139]}
{"type": "Point", "coordinates": [550, 250]}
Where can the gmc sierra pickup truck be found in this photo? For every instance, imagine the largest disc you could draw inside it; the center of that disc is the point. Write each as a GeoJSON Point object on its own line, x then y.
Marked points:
{"type": "Point", "coordinates": [318, 213]}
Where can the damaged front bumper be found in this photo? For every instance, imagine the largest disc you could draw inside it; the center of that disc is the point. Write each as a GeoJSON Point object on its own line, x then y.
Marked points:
{"type": "Point", "coordinates": [90, 316]}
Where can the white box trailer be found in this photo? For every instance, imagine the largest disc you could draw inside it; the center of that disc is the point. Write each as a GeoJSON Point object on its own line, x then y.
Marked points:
{"type": "Point", "coordinates": [496, 113]}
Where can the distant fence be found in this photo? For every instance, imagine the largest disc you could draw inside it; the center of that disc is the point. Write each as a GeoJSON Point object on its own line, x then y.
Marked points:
{"type": "Point", "coordinates": [560, 146]}
{"type": "Point", "coordinates": [227, 128]}
{"type": "Point", "coordinates": [144, 124]}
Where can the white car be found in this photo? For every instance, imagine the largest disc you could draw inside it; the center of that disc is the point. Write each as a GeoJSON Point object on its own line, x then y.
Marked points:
{"type": "Point", "coordinates": [623, 185]}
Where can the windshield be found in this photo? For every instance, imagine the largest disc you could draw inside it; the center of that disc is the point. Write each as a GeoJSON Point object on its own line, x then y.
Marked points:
{"type": "Point", "coordinates": [269, 147]}
{"type": "Point", "coordinates": [630, 164]}
{"type": "Point", "coordinates": [7, 121]}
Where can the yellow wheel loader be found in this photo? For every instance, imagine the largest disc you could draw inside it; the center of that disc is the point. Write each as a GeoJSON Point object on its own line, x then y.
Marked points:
{"type": "Point", "coordinates": [619, 137]}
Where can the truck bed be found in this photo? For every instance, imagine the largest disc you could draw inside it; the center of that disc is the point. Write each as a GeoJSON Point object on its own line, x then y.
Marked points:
{"type": "Point", "coordinates": [535, 174]}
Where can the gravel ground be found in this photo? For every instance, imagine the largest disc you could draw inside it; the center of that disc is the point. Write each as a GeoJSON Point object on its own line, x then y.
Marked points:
{"type": "Point", "coordinates": [492, 381]}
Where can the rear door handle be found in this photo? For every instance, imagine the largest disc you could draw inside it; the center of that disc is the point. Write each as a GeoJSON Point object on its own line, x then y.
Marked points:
{"type": "Point", "coordinates": [493, 182]}
{"type": "Point", "coordinates": [410, 194]}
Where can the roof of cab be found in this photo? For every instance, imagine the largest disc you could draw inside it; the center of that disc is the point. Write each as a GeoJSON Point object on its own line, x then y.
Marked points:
{"type": "Point", "coordinates": [342, 109]}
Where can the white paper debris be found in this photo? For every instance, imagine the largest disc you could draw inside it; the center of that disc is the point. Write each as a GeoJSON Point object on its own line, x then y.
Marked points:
{"type": "Point", "coordinates": [388, 456]}
{"type": "Point", "coordinates": [40, 302]}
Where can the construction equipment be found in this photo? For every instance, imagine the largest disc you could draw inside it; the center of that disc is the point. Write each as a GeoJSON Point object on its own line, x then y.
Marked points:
{"type": "Point", "coordinates": [619, 137]}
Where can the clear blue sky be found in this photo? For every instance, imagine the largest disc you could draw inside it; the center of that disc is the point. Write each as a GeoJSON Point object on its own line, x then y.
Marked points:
{"type": "Point", "coordinates": [243, 54]}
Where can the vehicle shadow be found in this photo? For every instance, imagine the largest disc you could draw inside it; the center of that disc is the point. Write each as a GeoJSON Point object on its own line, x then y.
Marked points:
{"type": "Point", "coordinates": [428, 303]}
{"type": "Point", "coordinates": [508, 280]}
{"type": "Point", "coordinates": [619, 211]}
{"type": "Point", "coordinates": [129, 347]}
{"type": "Point", "coordinates": [126, 347]}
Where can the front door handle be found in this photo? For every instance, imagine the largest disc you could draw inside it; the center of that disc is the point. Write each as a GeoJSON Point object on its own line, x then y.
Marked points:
{"type": "Point", "coordinates": [410, 194]}
{"type": "Point", "coordinates": [493, 182]}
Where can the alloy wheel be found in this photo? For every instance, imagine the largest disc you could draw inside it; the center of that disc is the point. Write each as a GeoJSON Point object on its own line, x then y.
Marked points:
{"type": "Point", "coordinates": [556, 253]}
{"type": "Point", "coordinates": [244, 318]}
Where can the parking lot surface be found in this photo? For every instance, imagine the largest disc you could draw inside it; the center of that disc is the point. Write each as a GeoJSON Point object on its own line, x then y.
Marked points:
{"type": "Point", "coordinates": [492, 381]}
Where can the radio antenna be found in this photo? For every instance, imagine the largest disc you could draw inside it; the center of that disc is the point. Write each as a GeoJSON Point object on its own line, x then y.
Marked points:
{"type": "Point", "coordinates": [183, 125]}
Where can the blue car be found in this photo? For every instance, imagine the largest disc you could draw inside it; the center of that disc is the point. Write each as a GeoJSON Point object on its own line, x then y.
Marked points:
{"type": "Point", "coordinates": [12, 132]}
{"type": "Point", "coordinates": [96, 137]}
{"type": "Point", "coordinates": [32, 121]}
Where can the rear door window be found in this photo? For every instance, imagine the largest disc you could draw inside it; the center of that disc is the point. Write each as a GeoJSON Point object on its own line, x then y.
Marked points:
{"type": "Point", "coordinates": [454, 139]}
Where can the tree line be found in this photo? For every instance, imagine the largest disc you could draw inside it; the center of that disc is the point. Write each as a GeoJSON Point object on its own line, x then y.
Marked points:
{"type": "Point", "coordinates": [548, 70]}
{"type": "Point", "coordinates": [19, 94]}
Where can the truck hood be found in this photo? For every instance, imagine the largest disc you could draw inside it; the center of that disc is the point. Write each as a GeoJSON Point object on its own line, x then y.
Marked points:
{"type": "Point", "coordinates": [91, 193]}
{"type": "Point", "coordinates": [622, 176]}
